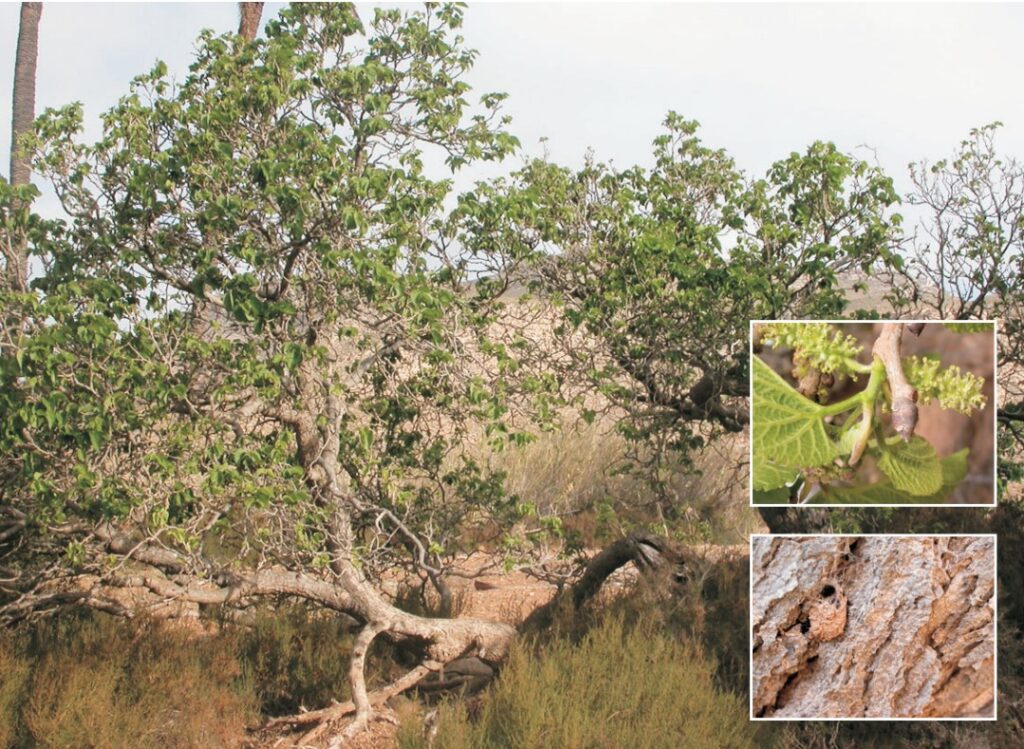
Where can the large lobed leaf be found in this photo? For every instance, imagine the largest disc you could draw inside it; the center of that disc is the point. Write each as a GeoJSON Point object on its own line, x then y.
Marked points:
{"type": "Point", "coordinates": [913, 467]}
{"type": "Point", "coordinates": [768, 474]}
{"type": "Point", "coordinates": [788, 428]}
{"type": "Point", "coordinates": [954, 468]}
{"type": "Point", "coordinates": [778, 496]}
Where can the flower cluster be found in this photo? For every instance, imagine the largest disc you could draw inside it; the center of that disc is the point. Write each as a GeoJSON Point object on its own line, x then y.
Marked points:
{"type": "Point", "coordinates": [953, 388]}
{"type": "Point", "coordinates": [817, 345]}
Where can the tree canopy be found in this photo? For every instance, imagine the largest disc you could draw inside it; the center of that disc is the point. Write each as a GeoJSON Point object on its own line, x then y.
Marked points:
{"type": "Point", "coordinates": [268, 351]}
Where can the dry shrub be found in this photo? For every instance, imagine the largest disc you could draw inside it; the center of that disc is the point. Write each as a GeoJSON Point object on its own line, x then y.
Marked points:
{"type": "Point", "coordinates": [577, 472]}
{"type": "Point", "coordinates": [95, 681]}
{"type": "Point", "coordinates": [620, 685]}
{"type": "Point", "coordinates": [14, 674]}
{"type": "Point", "coordinates": [424, 600]}
{"type": "Point", "coordinates": [107, 685]}
{"type": "Point", "coordinates": [709, 609]}
{"type": "Point", "coordinates": [714, 611]}
{"type": "Point", "coordinates": [295, 658]}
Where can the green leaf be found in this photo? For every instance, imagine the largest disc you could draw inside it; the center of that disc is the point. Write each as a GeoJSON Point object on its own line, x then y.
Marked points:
{"type": "Point", "coordinates": [788, 428]}
{"type": "Point", "coordinates": [954, 468]}
{"type": "Point", "coordinates": [772, 497]}
{"type": "Point", "coordinates": [770, 475]}
{"type": "Point", "coordinates": [848, 439]}
{"type": "Point", "coordinates": [913, 467]}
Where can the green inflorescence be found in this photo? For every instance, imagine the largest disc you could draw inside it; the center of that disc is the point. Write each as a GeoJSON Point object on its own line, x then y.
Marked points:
{"type": "Point", "coordinates": [954, 389]}
{"type": "Point", "coordinates": [798, 443]}
{"type": "Point", "coordinates": [970, 327]}
{"type": "Point", "coordinates": [818, 345]}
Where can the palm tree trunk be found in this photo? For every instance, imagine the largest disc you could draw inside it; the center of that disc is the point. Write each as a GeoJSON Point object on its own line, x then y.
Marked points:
{"type": "Point", "coordinates": [249, 22]}
{"type": "Point", "coordinates": [24, 113]}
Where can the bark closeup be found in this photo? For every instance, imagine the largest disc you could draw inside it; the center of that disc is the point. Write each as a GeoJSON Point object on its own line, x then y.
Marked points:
{"type": "Point", "coordinates": [23, 108]}
{"type": "Point", "coordinates": [249, 19]}
{"type": "Point", "coordinates": [873, 626]}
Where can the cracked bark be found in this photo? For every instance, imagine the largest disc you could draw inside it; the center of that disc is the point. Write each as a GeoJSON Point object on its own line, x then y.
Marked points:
{"type": "Point", "coordinates": [875, 626]}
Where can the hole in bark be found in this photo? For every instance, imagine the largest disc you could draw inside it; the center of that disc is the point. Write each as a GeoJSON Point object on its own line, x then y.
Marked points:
{"type": "Point", "coordinates": [787, 689]}
{"type": "Point", "coordinates": [828, 591]}
{"type": "Point", "coordinates": [805, 626]}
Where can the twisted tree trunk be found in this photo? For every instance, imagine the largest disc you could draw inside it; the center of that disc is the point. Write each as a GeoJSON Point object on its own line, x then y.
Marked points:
{"type": "Point", "coordinates": [651, 554]}
{"type": "Point", "coordinates": [873, 626]}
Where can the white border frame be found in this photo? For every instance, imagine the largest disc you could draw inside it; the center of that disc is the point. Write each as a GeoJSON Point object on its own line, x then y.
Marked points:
{"type": "Point", "coordinates": [995, 627]}
{"type": "Point", "coordinates": [995, 412]}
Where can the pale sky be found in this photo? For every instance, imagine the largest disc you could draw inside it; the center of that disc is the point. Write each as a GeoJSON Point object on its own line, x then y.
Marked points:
{"type": "Point", "coordinates": [763, 79]}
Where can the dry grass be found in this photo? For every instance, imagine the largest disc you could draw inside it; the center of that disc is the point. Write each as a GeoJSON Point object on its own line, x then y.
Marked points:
{"type": "Point", "coordinates": [97, 683]}
{"type": "Point", "coordinates": [569, 470]}
{"type": "Point", "coordinates": [294, 658]}
{"type": "Point", "coordinates": [15, 670]}
{"type": "Point", "coordinates": [576, 473]}
{"type": "Point", "coordinates": [620, 685]}
{"type": "Point", "coordinates": [92, 681]}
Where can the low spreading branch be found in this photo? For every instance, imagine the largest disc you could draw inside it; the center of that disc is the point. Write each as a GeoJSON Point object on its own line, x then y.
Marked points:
{"type": "Point", "coordinates": [650, 553]}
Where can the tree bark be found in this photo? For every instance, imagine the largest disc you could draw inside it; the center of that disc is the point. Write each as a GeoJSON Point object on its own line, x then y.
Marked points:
{"type": "Point", "coordinates": [23, 108]}
{"type": "Point", "coordinates": [249, 20]}
{"type": "Point", "coordinates": [873, 626]}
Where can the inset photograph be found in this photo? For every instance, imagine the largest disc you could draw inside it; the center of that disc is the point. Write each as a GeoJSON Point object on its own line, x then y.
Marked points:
{"type": "Point", "coordinates": [873, 413]}
{"type": "Point", "coordinates": [869, 627]}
